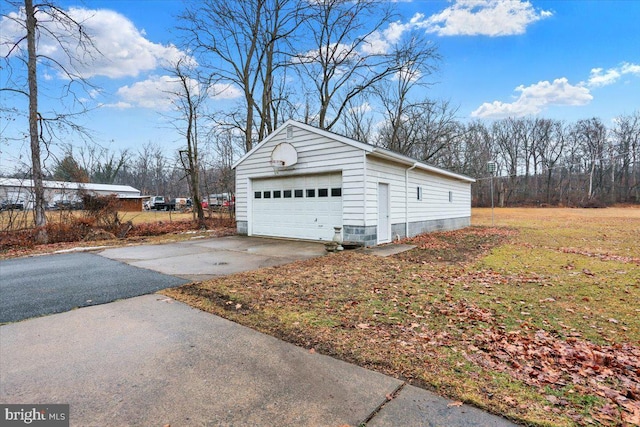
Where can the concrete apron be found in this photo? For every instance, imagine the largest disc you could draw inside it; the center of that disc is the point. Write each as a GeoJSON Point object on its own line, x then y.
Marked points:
{"type": "Point", "coordinates": [202, 259]}
{"type": "Point", "coordinates": [152, 361]}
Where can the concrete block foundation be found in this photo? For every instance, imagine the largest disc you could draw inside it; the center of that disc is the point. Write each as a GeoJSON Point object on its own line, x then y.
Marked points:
{"type": "Point", "coordinates": [368, 236]}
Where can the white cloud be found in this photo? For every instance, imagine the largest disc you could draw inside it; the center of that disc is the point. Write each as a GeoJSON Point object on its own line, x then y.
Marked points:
{"type": "Point", "coordinates": [599, 77]}
{"type": "Point", "coordinates": [160, 92]}
{"type": "Point", "coordinates": [11, 32]}
{"type": "Point", "coordinates": [119, 105]}
{"type": "Point", "coordinates": [120, 49]}
{"type": "Point", "coordinates": [630, 69]}
{"type": "Point", "coordinates": [363, 108]}
{"type": "Point", "coordinates": [380, 42]}
{"type": "Point", "coordinates": [156, 93]}
{"type": "Point", "coordinates": [224, 91]}
{"type": "Point", "coordinates": [339, 51]}
{"type": "Point", "coordinates": [533, 99]}
{"type": "Point", "coordinates": [408, 73]}
{"type": "Point", "coordinates": [484, 17]}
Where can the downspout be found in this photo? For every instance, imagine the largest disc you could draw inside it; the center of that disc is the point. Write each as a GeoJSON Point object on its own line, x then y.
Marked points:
{"type": "Point", "coordinates": [406, 199]}
{"type": "Point", "coordinates": [249, 205]}
{"type": "Point", "coordinates": [364, 194]}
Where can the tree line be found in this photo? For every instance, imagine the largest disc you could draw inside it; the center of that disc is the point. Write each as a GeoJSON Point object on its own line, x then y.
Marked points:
{"type": "Point", "coordinates": [150, 169]}
{"type": "Point", "coordinates": [539, 161]}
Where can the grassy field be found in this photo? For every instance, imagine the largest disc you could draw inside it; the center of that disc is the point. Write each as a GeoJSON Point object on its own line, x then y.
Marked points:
{"type": "Point", "coordinates": [15, 220]}
{"type": "Point", "coordinates": [20, 220]}
{"type": "Point", "coordinates": [536, 318]}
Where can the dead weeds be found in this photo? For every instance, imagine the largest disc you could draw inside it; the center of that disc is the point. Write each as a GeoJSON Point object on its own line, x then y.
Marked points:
{"type": "Point", "coordinates": [77, 232]}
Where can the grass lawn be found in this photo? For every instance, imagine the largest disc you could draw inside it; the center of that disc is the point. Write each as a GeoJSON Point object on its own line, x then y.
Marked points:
{"type": "Point", "coordinates": [536, 319]}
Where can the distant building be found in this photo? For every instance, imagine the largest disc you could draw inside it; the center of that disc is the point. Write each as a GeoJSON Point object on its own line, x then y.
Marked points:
{"type": "Point", "coordinates": [59, 193]}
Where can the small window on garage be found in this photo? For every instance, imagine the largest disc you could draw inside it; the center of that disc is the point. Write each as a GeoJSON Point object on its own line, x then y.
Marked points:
{"type": "Point", "coordinates": [323, 192]}
{"type": "Point", "coordinates": [311, 192]}
{"type": "Point", "coordinates": [419, 193]}
{"type": "Point", "coordinates": [336, 192]}
{"type": "Point", "coordinates": [277, 194]}
{"type": "Point", "coordinates": [257, 195]}
{"type": "Point", "coordinates": [298, 193]}
{"type": "Point", "coordinates": [450, 196]}
{"type": "Point", "coordinates": [266, 194]}
{"type": "Point", "coordinates": [286, 194]}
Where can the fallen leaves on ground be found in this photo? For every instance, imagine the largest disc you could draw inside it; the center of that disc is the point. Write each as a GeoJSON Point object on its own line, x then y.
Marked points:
{"type": "Point", "coordinates": [540, 359]}
{"type": "Point", "coordinates": [602, 256]}
{"type": "Point", "coordinates": [454, 246]}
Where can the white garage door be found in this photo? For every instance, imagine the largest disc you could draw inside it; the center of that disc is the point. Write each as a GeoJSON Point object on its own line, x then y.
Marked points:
{"type": "Point", "coordinates": [301, 207]}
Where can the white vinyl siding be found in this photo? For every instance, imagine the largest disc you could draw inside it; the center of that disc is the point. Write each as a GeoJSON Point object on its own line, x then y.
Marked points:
{"type": "Point", "coordinates": [435, 197]}
{"type": "Point", "coordinates": [434, 204]}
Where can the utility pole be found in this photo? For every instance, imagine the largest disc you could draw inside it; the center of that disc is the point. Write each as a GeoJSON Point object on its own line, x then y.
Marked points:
{"type": "Point", "coordinates": [491, 168]}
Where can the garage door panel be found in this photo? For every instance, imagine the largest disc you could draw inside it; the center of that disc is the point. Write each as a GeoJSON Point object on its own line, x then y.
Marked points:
{"type": "Point", "coordinates": [303, 217]}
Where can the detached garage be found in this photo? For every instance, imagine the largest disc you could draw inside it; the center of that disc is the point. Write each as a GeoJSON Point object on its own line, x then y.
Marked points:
{"type": "Point", "coordinates": [300, 182]}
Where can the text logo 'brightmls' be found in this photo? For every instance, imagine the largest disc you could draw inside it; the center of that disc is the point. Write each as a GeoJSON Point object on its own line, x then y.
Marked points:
{"type": "Point", "coordinates": [34, 415]}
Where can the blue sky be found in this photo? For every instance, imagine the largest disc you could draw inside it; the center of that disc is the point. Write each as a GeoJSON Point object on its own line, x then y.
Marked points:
{"type": "Point", "coordinates": [557, 59]}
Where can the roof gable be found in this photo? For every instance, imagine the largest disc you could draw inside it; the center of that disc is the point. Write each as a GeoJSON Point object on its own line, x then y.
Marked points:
{"type": "Point", "coordinates": [305, 127]}
{"type": "Point", "coordinates": [367, 148]}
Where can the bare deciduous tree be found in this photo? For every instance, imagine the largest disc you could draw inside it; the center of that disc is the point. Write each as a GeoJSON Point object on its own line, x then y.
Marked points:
{"type": "Point", "coordinates": [626, 135]}
{"type": "Point", "coordinates": [343, 63]}
{"type": "Point", "coordinates": [48, 20]}
{"type": "Point", "coordinates": [188, 99]}
{"type": "Point", "coordinates": [415, 60]}
{"type": "Point", "coordinates": [592, 137]}
{"type": "Point", "coordinates": [239, 42]}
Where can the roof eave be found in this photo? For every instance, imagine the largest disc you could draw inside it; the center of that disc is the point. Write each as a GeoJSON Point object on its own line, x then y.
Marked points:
{"type": "Point", "coordinates": [399, 158]}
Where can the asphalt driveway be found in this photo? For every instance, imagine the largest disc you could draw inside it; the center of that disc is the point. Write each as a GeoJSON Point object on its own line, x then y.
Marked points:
{"type": "Point", "coordinates": [41, 285]}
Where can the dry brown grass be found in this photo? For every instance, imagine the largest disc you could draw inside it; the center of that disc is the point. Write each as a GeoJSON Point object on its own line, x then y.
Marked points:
{"type": "Point", "coordinates": [536, 320]}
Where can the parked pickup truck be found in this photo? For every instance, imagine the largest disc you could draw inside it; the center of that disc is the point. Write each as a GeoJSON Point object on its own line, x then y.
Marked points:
{"type": "Point", "coordinates": [165, 206]}
{"type": "Point", "coordinates": [7, 205]}
{"type": "Point", "coordinates": [153, 202]}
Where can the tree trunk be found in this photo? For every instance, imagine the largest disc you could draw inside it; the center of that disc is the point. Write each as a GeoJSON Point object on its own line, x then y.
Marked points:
{"type": "Point", "coordinates": [36, 167]}
{"type": "Point", "coordinates": [593, 168]}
